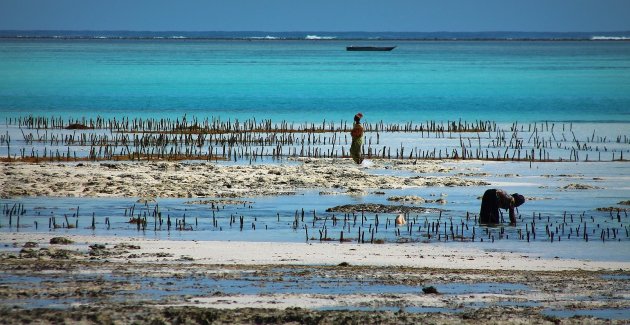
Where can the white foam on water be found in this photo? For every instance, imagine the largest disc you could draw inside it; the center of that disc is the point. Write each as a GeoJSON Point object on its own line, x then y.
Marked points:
{"type": "Point", "coordinates": [268, 37]}
{"type": "Point", "coordinates": [316, 37]}
{"type": "Point", "coordinates": [610, 38]}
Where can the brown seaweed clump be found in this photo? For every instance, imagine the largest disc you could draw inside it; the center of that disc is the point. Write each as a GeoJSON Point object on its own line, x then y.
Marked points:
{"type": "Point", "coordinates": [379, 208]}
{"type": "Point", "coordinates": [612, 209]}
{"type": "Point", "coordinates": [576, 186]}
{"type": "Point", "coordinates": [430, 290]}
{"type": "Point", "coordinates": [60, 241]}
{"type": "Point", "coordinates": [77, 126]}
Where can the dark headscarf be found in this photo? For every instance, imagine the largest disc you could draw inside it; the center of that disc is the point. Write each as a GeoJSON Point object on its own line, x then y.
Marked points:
{"type": "Point", "coordinates": [518, 199]}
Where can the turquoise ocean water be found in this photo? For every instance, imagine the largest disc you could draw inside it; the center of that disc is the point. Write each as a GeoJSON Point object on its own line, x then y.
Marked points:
{"type": "Point", "coordinates": [302, 80]}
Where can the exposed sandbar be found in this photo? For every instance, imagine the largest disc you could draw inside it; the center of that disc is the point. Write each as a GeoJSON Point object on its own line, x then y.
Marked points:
{"type": "Point", "coordinates": [259, 253]}
{"type": "Point", "coordinates": [193, 180]}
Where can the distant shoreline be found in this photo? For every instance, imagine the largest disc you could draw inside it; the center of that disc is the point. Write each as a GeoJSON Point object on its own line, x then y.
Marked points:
{"type": "Point", "coordinates": [318, 35]}
{"type": "Point", "coordinates": [316, 40]}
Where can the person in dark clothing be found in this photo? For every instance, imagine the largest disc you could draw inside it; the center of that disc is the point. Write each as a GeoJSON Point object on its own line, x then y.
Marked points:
{"type": "Point", "coordinates": [357, 139]}
{"type": "Point", "coordinates": [495, 199]}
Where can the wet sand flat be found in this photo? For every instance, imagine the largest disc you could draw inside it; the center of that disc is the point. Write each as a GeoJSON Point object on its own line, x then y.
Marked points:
{"type": "Point", "coordinates": [277, 253]}
{"type": "Point", "coordinates": [94, 279]}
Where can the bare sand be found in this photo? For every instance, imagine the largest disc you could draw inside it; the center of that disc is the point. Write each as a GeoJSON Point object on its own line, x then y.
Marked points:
{"type": "Point", "coordinates": [204, 179]}
{"type": "Point", "coordinates": [416, 255]}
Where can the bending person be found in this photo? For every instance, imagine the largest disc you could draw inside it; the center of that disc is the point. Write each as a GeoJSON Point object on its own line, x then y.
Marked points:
{"type": "Point", "coordinates": [495, 199]}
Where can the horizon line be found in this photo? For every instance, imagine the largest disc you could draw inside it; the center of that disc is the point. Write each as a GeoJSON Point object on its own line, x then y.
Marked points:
{"type": "Point", "coordinates": [320, 31]}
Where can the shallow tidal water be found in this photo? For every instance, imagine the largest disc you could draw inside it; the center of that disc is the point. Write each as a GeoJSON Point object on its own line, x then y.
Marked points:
{"type": "Point", "coordinates": [550, 208]}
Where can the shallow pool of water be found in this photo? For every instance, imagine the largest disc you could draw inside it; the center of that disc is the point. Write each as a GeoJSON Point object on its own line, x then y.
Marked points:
{"type": "Point", "coordinates": [613, 314]}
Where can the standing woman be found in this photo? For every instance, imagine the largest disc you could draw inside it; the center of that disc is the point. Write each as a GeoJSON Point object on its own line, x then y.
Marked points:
{"type": "Point", "coordinates": [357, 139]}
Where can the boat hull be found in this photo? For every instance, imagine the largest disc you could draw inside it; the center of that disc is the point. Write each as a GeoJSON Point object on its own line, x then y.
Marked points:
{"type": "Point", "coordinates": [370, 48]}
